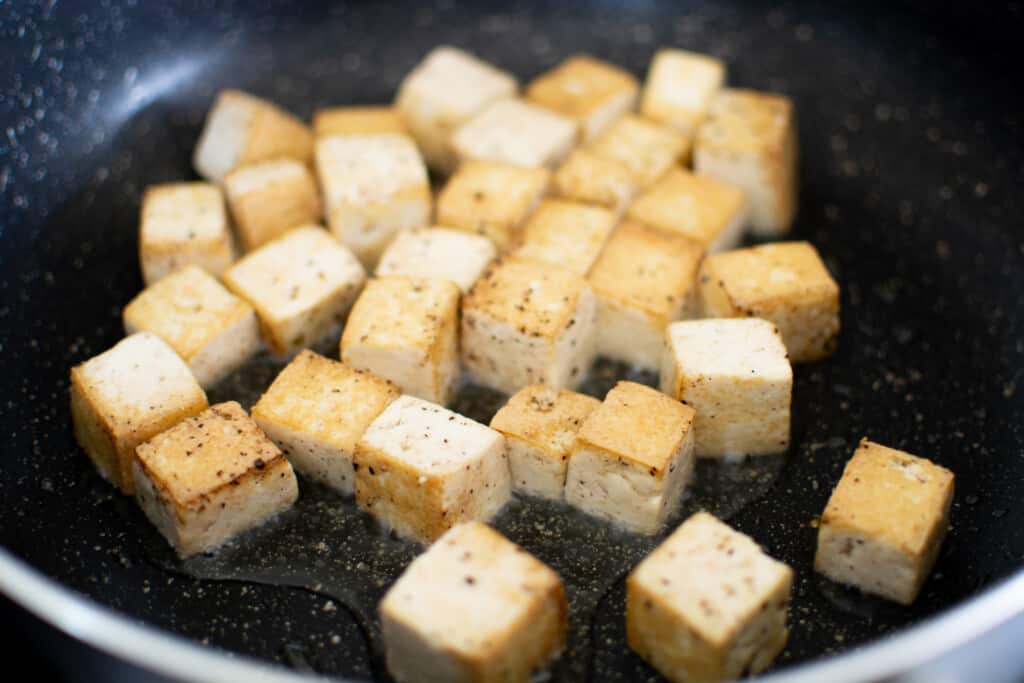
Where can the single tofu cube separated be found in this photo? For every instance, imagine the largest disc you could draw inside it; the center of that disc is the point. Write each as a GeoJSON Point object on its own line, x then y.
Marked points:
{"type": "Point", "coordinates": [566, 234]}
{"type": "Point", "coordinates": [210, 478]}
{"type": "Point", "coordinates": [269, 198]}
{"type": "Point", "coordinates": [475, 608]}
{"type": "Point", "coordinates": [708, 604]}
{"type": "Point", "coordinates": [127, 394]}
{"type": "Point", "coordinates": [440, 253]}
{"type": "Point", "coordinates": [540, 426]}
{"type": "Point", "coordinates": [679, 89]}
{"type": "Point", "coordinates": [366, 120]}
{"type": "Point", "coordinates": [632, 458]}
{"type": "Point", "coordinates": [422, 469]}
{"type": "Point", "coordinates": [885, 522]}
{"type": "Point", "coordinates": [589, 178]}
{"type": "Point", "coordinates": [513, 131]}
{"type": "Point", "coordinates": [316, 411]}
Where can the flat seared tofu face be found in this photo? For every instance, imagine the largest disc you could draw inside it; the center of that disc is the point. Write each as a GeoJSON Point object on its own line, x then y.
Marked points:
{"type": "Point", "coordinates": [786, 283]}
{"type": "Point", "coordinates": [643, 280]}
{"type": "Point", "coordinates": [540, 425]}
{"type": "Point", "coordinates": [421, 469]}
{"type": "Point", "coordinates": [708, 605]}
{"type": "Point", "coordinates": [439, 253]}
{"type": "Point", "coordinates": [647, 149]}
{"type": "Point", "coordinates": [679, 89]}
{"type": "Point", "coordinates": [705, 210]}
{"type": "Point", "coordinates": [586, 177]}
{"type": "Point", "coordinates": [269, 198]}
{"type": "Point", "coordinates": [735, 373]}
{"type": "Point", "coordinates": [516, 132]}
{"type": "Point", "coordinates": [406, 331]}
{"type": "Point", "coordinates": [528, 323]}
{"type": "Point", "coordinates": [592, 92]}
{"type": "Point", "coordinates": [885, 522]}
{"type": "Point", "coordinates": [183, 224]}
{"type": "Point", "coordinates": [749, 140]}
{"type": "Point", "coordinates": [316, 411]}
{"type": "Point", "coordinates": [566, 234]}
{"type": "Point", "coordinates": [210, 478]}
{"type": "Point", "coordinates": [301, 285]}
{"type": "Point", "coordinates": [358, 121]}
{"type": "Point", "coordinates": [632, 458]}
{"type": "Point", "coordinates": [473, 607]}
{"type": "Point", "coordinates": [374, 186]}
{"type": "Point", "coordinates": [127, 394]}
{"type": "Point", "coordinates": [212, 330]}
{"type": "Point", "coordinates": [444, 91]}
{"type": "Point", "coordinates": [242, 129]}
{"type": "Point", "coordinates": [492, 199]}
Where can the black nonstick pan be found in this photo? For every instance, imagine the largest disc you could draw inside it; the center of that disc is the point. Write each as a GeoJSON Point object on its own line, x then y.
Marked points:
{"type": "Point", "coordinates": [911, 168]}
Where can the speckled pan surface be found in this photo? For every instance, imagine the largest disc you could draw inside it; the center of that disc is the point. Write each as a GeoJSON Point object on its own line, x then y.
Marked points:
{"type": "Point", "coordinates": [912, 157]}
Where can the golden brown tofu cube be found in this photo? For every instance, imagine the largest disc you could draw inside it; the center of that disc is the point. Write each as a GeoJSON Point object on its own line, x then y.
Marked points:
{"type": "Point", "coordinates": [647, 149]}
{"type": "Point", "coordinates": [269, 198]}
{"type": "Point", "coordinates": [586, 177]}
{"type": "Point", "coordinates": [885, 522]}
{"type": "Point", "coordinates": [437, 252]}
{"type": "Point", "coordinates": [679, 89]}
{"type": "Point", "coordinates": [358, 121]}
{"type": "Point", "coordinates": [566, 234]}
{"type": "Point", "coordinates": [514, 131]}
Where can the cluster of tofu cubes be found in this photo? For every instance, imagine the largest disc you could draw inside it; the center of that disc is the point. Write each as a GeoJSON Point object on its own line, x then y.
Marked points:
{"type": "Point", "coordinates": [585, 214]}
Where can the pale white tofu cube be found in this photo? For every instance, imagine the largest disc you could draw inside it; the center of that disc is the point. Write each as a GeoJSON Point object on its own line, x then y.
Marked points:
{"type": "Point", "coordinates": [367, 120]}
{"type": "Point", "coordinates": [437, 252]}
{"type": "Point", "coordinates": [749, 140]}
{"type": "Point", "coordinates": [183, 224]}
{"type": "Point", "coordinates": [632, 458]}
{"type": "Point", "coordinates": [540, 425]}
{"type": "Point", "coordinates": [242, 129]}
{"type": "Point", "coordinates": [406, 330]}
{"type": "Point", "coordinates": [566, 234]}
{"type": "Point", "coordinates": [736, 374]}
{"type": "Point", "coordinates": [444, 91]}
{"type": "Point", "coordinates": [679, 89]}
{"type": "Point", "coordinates": [210, 478]}
{"type": "Point", "coordinates": [374, 186]}
{"type": "Point", "coordinates": [127, 394]}
{"type": "Point", "coordinates": [516, 132]}
{"type": "Point", "coordinates": [647, 149]}
{"type": "Point", "coordinates": [708, 604]}
{"type": "Point", "coordinates": [212, 330]}
{"type": "Point", "coordinates": [269, 198]}
{"type": "Point", "coordinates": [528, 323]}
{"type": "Point", "coordinates": [643, 280]}
{"type": "Point", "coordinates": [587, 177]}
{"type": "Point", "coordinates": [474, 608]}
{"type": "Point", "coordinates": [421, 469]}
{"type": "Point", "coordinates": [316, 411]}
{"type": "Point", "coordinates": [301, 285]}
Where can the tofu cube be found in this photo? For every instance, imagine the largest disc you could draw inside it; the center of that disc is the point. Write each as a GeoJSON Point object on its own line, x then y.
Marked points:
{"type": "Point", "coordinates": [406, 330]}
{"type": "Point", "coordinates": [358, 121]}
{"type": "Point", "coordinates": [301, 285]}
{"type": "Point", "coordinates": [421, 469]}
{"type": "Point", "coordinates": [210, 328]}
{"type": "Point", "coordinates": [592, 92]}
{"type": "Point", "coordinates": [632, 458]}
{"type": "Point", "coordinates": [749, 140]}
{"type": "Point", "coordinates": [735, 373]}
{"type": "Point", "coordinates": [708, 604]}
{"type": "Point", "coordinates": [440, 253]}
{"type": "Point", "coordinates": [475, 608]}
{"type": "Point", "coordinates": [210, 478]}
{"type": "Point", "coordinates": [374, 187]}
{"type": "Point", "coordinates": [444, 91]}
{"type": "Point", "coordinates": [183, 224]}
{"type": "Point", "coordinates": [647, 149]}
{"type": "Point", "coordinates": [516, 132]}
{"type": "Point", "coordinates": [586, 177]}
{"type": "Point", "coordinates": [540, 425]}
{"type": "Point", "coordinates": [127, 394]}
{"type": "Point", "coordinates": [492, 199]}
{"type": "Point", "coordinates": [885, 522]}
{"type": "Point", "coordinates": [269, 198]}
{"type": "Point", "coordinates": [242, 129]}
{"type": "Point", "coordinates": [566, 234]}
{"type": "Point", "coordinates": [707, 211]}
{"type": "Point", "coordinates": [316, 411]}
{"type": "Point", "coordinates": [679, 89]}
{"type": "Point", "coordinates": [786, 283]}
{"type": "Point", "coordinates": [528, 323]}
{"type": "Point", "coordinates": [643, 280]}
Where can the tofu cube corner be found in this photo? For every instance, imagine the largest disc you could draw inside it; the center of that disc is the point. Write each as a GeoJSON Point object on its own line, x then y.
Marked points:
{"type": "Point", "coordinates": [679, 88]}
{"type": "Point", "coordinates": [589, 178]}
{"type": "Point", "coordinates": [566, 234]}
{"type": "Point", "coordinates": [646, 149]}
{"type": "Point", "coordinates": [517, 132]}
{"type": "Point", "coordinates": [269, 198]}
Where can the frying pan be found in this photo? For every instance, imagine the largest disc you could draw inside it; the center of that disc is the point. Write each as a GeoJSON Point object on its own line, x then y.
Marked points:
{"type": "Point", "coordinates": [911, 163]}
